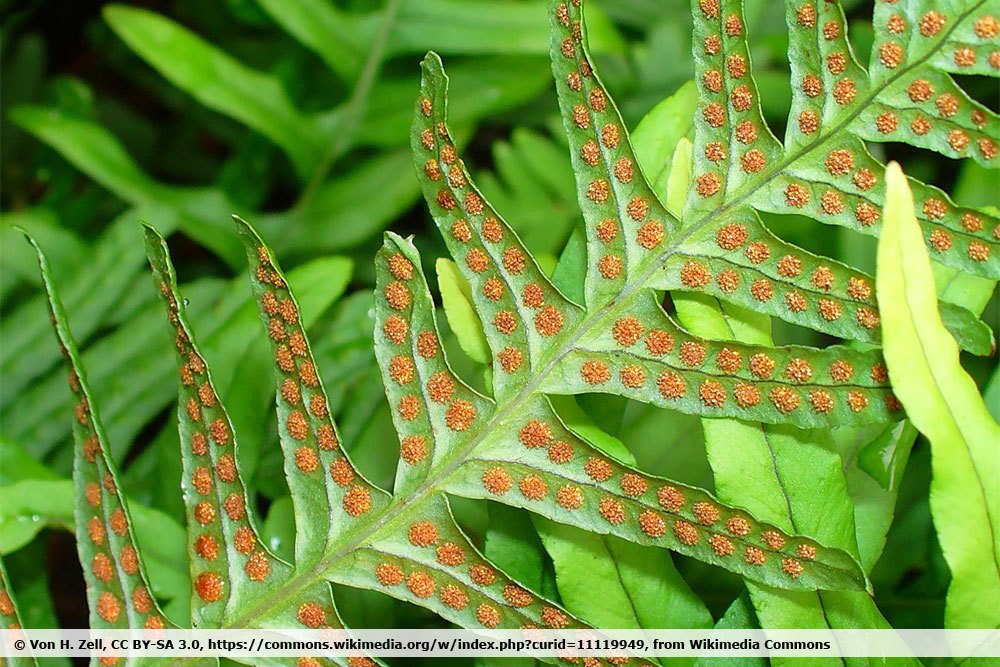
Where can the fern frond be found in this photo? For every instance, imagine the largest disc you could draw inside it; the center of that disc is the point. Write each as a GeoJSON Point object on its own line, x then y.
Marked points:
{"type": "Point", "coordinates": [822, 168]}
{"type": "Point", "coordinates": [229, 554]}
{"type": "Point", "coordinates": [327, 489]}
{"type": "Point", "coordinates": [723, 249]}
{"type": "Point", "coordinates": [10, 617]}
{"type": "Point", "coordinates": [231, 567]}
{"type": "Point", "coordinates": [517, 451]}
{"type": "Point", "coordinates": [512, 446]}
{"type": "Point", "coordinates": [408, 545]}
{"type": "Point", "coordinates": [625, 343]}
{"type": "Point", "coordinates": [118, 590]}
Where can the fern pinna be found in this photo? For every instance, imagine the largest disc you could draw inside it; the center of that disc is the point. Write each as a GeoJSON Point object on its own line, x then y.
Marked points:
{"type": "Point", "coordinates": [511, 446]}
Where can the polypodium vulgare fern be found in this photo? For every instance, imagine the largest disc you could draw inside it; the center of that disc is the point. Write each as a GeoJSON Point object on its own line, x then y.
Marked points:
{"type": "Point", "coordinates": [10, 617]}
{"type": "Point", "coordinates": [512, 447]}
{"type": "Point", "coordinates": [351, 532]}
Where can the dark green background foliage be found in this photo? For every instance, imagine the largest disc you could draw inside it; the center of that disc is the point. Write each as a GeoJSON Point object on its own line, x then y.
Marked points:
{"type": "Point", "coordinates": [300, 123]}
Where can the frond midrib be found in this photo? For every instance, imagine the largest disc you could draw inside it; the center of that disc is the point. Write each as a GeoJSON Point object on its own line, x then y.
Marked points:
{"type": "Point", "coordinates": [843, 122]}
{"type": "Point", "coordinates": [316, 572]}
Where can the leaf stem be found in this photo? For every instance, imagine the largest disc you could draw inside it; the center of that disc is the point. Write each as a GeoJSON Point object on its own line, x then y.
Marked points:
{"type": "Point", "coordinates": [355, 107]}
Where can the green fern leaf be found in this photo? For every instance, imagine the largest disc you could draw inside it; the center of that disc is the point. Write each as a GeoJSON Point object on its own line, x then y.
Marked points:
{"type": "Point", "coordinates": [351, 532]}
{"type": "Point", "coordinates": [230, 566]}
{"type": "Point", "coordinates": [822, 169]}
{"type": "Point", "coordinates": [907, 95]}
{"type": "Point", "coordinates": [949, 411]}
{"type": "Point", "coordinates": [308, 436]}
{"type": "Point", "coordinates": [118, 591]}
{"type": "Point", "coordinates": [724, 250]}
{"type": "Point", "coordinates": [227, 550]}
{"type": "Point", "coordinates": [408, 545]}
{"type": "Point", "coordinates": [512, 446]}
{"type": "Point", "coordinates": [518, 452]}
{"type": "Point", "coordinates": [623, 343]}
{"type": "Point", "coordinates": [10, 617]}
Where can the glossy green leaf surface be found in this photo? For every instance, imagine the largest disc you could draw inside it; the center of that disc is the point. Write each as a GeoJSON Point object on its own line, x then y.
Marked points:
{"type": "Point", "coordinates": [462, 318]}
{"type": "Point", "coordinates": [944, 403]}
{"type": "Point", "coordinates": [568, 353]}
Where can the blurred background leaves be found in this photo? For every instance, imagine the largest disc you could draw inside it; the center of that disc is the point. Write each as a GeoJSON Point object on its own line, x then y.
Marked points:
{"type": "Point", "coordinates": [294, 114]}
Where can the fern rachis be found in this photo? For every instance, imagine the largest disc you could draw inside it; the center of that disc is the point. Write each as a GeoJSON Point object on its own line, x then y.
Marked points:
{"type": "Point", "coordinates": [513, 447]}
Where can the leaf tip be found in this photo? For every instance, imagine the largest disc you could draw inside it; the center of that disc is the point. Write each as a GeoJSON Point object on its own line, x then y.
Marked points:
{"type": "Point", "coordinates": [156, 249]}
{"type": "Point", "coordinates": [247, 232]}
{"type": "Point", "coordinates": [433, 79]}
{"type": "Point", "coordinates": [43, 266]}
{"type": "Point", "coordinates": [392, 240]}
{"type": "Point", "coordinates": [114, 15]}
{"type": "Point", "coordinates": [151, 234]}
{"type": "Point", "coordinates": [432, 64]}
{"type": "Point", "coordinates": [894, 174]}
{"type": "Point", "coordinates": [900, 214]}
{"type": "Point", "coordinates": [28, 237]}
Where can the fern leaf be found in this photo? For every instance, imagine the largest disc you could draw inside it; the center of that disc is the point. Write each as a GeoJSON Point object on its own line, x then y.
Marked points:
{"type": "Point", "coordinates": [416, 376]}
{"type": "Point", "coordinates": [230, 565]}
{"type": "Point", "coordinates": [623, 342]}
{"type": "Point", "coordinates": [512, 286]}
{"type": "Point", "coordinates": [423, 557]}
{"type": "Point", "coordinates": [463, 445]}
{"type": "Point", "coordinates": [327, 490]}
{"type": "Point", "coordinates": [10, 617]}
{"type": "Point", "coordinates": [949, 411]}
{"type": "Point", "coordinates": [228, 552]}
{"type": "Point", "coordinates": [823, 169]}
{"type": "Point", "coordinates": [518, 452]}
{"type": "Point", "coordinates": [118, 590]}
{"type": "Point", "coordinates": [627, 346]}
{"type": "Point", "coordinates": [512, 447]}
{"type": "Point", "coordinates": [363, 547]}
{"type": "Point", "coordinates": [724, 250]}
{"type": "Point", "coordinates": [927, 46]}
